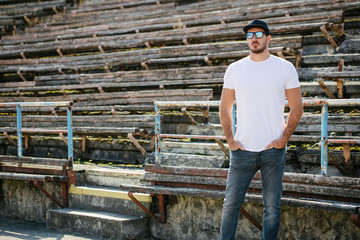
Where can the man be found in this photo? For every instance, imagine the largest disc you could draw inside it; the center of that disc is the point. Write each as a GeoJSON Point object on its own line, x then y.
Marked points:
{"type": "Point", "coordinates": [259, 83]}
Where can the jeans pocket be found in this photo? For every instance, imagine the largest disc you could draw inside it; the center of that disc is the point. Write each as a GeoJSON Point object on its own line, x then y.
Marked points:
{"type": "Point", "coordinates": [278, 149]}
{"type": "Point", "coordinates": [233, 151]}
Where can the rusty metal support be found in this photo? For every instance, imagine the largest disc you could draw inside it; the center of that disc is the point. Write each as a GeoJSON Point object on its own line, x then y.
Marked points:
{"type": "Point", "coordinates": [101, 90]}
{"type": "Point", "coordinates": [61, 135]}
{"type": "Point", "coordinates": [328, 37]}
{"type": "Point", "coordinates": [107, 69]}
{"type": "Point", "coordinates": [355, 218]}
{"type": "Point", "coordinates": [326, 89]}
{"type": "Point", "coordinates": [298, 60]}
{"type": "Point", "coordinates": [340, 81]}
{"type": "Point", "coordinates": [280, 54]}
{"type": "Point", "coordinates": [27, 139]}
{"type": "Point", "coordinates": [28, 20]}
{"type": "Point", "coordinates": [22, 54]}
{"type": "Point", "coordinates": [65, 194]}
{"type": "Point", "coordinates": [9, 138]}
{"type": "Point", "coordinates": [250, 218]}
{"type": "Point", "coordinates": [145, 64]}
{"type": "Point", "coordinates": [340, 87]}
{"type": "Point", "coordinates": [188, 116]}
{"type": "Point", "coordinates": [58, 50]}
{"type": "Point", "coordinates": [147, 44]}
{"type": "Point", "coordinates": [36, 184]}
{"type": "Point", "coordinates": [130, 194]}
{"type": "Point", "coordinates": [113, 112]}
{"type": "Point", "coordinates": [54, 112]}
{"type": "Point", "coordinates": [101, 49]}
{"type": "Point", "coordinates": [207, 60]}
{"type": "Point", "coordinates": [336, 164]}
{"type": "Point", "coordinates": [83, 143]}
{"type": "Point", "coordinates": [162, 207]}
{"type": "Point", "coordinates": [21, 76]}
{"type": "Point", "coordinates": [14, 30]}
{"type": "Point", "coordinates": [291, 52]}
{"type": "Point", "coordinates": [339, 28]}
{"type": "Point", "coordinates": [136, 143]}
{"type": "Point", "coordinates": [223, 148]}
{"type": "Point", "coordinates": [55, 10]}
{"type": "Point", "coordinates": [71, 177]}
{"type": "Point", "coordinates": [61, 71]}
{"type": "Point", "coordinates": [347, 153]}
{"type": "Point", "coordinates": [205, 114]}
{"type": "Point", "coordinates": [65, 140]}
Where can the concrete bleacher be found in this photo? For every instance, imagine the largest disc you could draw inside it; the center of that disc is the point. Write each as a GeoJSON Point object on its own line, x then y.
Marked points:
{"type": "Point", "coordinates": [114, 58]}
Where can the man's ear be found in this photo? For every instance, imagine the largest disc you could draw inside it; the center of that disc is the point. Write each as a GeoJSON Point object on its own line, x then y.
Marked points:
{"type": "Point", "coordinates": [269, 38]}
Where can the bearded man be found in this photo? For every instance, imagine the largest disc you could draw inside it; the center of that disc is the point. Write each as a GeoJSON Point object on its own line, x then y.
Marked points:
{"type": "Point", "coordinates": [259, 83]}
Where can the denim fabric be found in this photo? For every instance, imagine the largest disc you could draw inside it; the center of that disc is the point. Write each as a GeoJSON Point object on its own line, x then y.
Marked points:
{"type": "Point", "coordinates": [243, 166]}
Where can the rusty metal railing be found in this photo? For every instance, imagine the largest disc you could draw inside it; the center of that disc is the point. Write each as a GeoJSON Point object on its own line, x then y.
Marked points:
{"type": "Point", "coordinates": [21, 130]}
{"type": "Point", "coordinates": [324, 103]}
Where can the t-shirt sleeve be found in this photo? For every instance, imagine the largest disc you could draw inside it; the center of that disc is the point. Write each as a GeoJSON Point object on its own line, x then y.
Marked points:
{"type": "Point", "coordinates": [292, 78]}
{"type": "Point", "coordinates": [228, 79]}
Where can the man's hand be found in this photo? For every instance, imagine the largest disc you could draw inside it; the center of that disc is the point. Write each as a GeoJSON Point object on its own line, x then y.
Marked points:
{"type": "Point", "coordinates": [278, 143]}
{"type": "Point", "coordinates": [235, 145]}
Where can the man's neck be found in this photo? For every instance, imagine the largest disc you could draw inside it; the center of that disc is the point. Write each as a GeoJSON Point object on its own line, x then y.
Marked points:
{"type": "Point", "coordinates": [259, 57]}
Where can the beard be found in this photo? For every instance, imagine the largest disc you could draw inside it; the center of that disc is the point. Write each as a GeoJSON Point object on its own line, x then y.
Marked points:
{"type": "Point", "coordinates": [258, 50]}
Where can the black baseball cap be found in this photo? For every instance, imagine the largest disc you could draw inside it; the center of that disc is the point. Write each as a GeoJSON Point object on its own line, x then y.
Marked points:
{"type": "Point", "coordinates": [257, 24]}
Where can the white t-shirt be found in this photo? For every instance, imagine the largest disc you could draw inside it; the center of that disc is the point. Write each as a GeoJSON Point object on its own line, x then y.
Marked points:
{"type": "Point", "coordinates": [260, 99]}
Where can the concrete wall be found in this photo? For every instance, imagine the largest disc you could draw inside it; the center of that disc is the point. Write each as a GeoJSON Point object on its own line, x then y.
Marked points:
{"type": "Point", "coordinates": [21, 199]}
{"type": "Point", "coordinates": [199, 218]}
{"type": "Point", "coordinates": [191, 217]}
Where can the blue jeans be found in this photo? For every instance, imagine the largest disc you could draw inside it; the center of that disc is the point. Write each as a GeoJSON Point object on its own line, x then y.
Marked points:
{"type": "Point", "coordinates": [243, 166]}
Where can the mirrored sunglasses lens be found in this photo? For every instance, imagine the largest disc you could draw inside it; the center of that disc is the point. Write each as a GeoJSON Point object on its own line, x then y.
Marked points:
{"type": "Point", "coordinates": [259, 34]}
{"type": "Point", "coordinates": [249, 35]}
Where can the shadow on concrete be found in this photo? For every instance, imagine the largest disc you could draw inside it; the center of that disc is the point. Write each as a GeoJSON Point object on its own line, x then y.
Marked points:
{"type": "Point", "coordinates": [17, 229]}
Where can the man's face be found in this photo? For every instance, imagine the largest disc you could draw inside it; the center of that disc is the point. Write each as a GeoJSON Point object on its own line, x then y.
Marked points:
{"type": "Point", "coordinates": [258, 45]}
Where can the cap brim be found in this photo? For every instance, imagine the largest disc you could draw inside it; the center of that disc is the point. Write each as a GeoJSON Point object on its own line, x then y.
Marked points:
{"type": "Point", "coordinates": [246, 28]}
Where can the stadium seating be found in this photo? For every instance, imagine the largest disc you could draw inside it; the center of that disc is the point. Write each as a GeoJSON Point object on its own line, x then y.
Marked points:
{"type": "Point", "coordinates": [116, 59]}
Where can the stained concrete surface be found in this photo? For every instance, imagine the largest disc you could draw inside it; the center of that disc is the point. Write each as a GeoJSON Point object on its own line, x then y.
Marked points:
{"type": "Point", "coordinates": [17, 229]}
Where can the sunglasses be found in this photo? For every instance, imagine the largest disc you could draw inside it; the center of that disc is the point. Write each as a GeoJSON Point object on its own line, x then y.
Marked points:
{"type": "Point", "coordinates": [250, 35]}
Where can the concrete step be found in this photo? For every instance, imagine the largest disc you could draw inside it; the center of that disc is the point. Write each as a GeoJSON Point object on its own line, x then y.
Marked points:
{"type": "Point", "coordinates": [97, 198]}
{"type": "Point", "coordinates": [187, 128]}
{"type": "Point", "coordinates": [200, 148]}
{"type": "Point", "coordinates": [100, 224]}
{"type": "Point", "coordinates": [107, 176]}
{"type": "Point", "coordinates": [191, 160]}
{"type": "Point", "coordinates": [301, 161]}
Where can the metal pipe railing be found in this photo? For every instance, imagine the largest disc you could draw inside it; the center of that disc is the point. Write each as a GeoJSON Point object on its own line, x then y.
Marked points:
{"type": "Point", "coordinates": [324, 103]}
{"type": "Point", "coordinates": [21, 130]}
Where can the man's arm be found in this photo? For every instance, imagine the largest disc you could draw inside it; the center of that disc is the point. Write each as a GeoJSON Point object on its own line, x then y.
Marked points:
{"type": "Point", "coordinates": [226, 106]}
{"type": "Point", "coordinates": [296, 110]}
